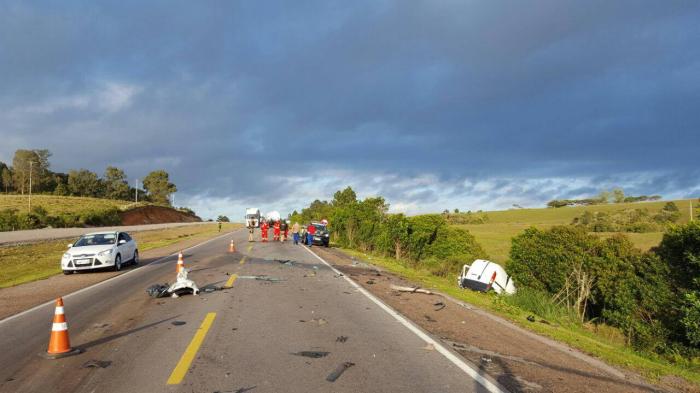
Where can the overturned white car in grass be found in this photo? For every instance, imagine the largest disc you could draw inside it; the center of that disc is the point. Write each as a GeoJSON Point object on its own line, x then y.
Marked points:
{"type": "Point", "coordinates": [100, 250]}
{"type": "Point", "coordinates": [483, 275]}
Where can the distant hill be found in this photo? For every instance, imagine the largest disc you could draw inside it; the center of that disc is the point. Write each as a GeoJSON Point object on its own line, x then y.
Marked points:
{"type": "Point", "coordinates": [130, 213]}
{"type": "Point", "coordinates": [495, 234]}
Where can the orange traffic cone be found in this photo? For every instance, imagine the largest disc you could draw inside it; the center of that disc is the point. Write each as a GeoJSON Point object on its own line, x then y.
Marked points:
{"type": "Point", "coordinates": [180, 263]}
{"type": "Point", "coordinates": [232, 247]}
{"type": "Point", "coordinates": [59, 343]}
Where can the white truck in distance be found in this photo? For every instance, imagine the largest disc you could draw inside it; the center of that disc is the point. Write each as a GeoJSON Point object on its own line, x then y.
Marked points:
{"type": "Point", "coordinates": [252, 217]}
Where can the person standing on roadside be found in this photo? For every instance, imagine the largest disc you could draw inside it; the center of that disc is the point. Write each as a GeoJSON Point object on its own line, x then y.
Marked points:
{"type": "Point", "coordinates": [284, 228]}
{"type": "Point", "coordinates": [263, 230]}
{"type": "Point", "coordinates": [310, 231]}
{"type": "Point", "coordinates": [276, 231]}
{"type": "Point", "coordinates": [295, 233]}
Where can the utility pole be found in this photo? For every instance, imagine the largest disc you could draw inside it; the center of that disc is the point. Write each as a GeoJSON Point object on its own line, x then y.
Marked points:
{"type": "Point", "coordinates": [30, 185]}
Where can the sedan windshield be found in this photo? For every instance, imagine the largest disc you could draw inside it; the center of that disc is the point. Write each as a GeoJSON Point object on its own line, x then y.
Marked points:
{"type": "Point", "coordinates": [320, 227]}
{"type": "Point", "coordinates": [96, 240]}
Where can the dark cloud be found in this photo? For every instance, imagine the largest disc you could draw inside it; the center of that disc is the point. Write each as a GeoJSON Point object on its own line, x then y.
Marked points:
{"type": "Point", "coordinates": [234, 98]}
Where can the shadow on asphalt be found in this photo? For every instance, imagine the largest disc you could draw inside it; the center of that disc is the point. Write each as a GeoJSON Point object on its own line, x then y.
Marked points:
{"type": "Point", "coordinates": [107, 339]}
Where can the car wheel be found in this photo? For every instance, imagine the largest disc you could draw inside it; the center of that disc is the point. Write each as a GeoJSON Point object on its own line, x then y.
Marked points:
{"type": "Point", "coordinates": [135, 259]}
{"type": "Point", "coordinates": [117, 263]}
{"type": "Point", "coordinates": [67, 272]}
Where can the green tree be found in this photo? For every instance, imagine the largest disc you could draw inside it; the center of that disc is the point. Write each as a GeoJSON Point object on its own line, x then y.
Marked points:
{"type": "Point", "coordinates": [84, 183]}
{"type": "Point", "coordinates": [61, 188]}
{"type": "Point", "coordinates": [6, 176]}
{"type": "Point", "coordinates": [116, 186]}
{"type": "Point", "coordinates": [222, 219]}
{"type": "Point", "coordinates": [618, 195]}
{"type": "Point", "coordinates": [159, 187]}
{"type": "Point", "coordinates": [39, 168]}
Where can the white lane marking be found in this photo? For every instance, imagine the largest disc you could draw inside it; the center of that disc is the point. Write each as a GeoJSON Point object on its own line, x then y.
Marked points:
{"type": "Point", "coordinates": [59, 326]}
{"type": "Point", "coordinates": [490, 386]}
{"type": "Point", "coordinates": [110, 279]}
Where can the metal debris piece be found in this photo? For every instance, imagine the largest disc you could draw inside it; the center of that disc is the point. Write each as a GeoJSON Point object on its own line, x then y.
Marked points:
{"type": "Point", "coordinates": [332, 377]}
{"type": "Point", "coordinates": [486, 359]}
{"type": "Point", "coordinates": [158, 290]}
{"type": "Point", "coordinates": [341, 339]}
{"type": "Point", "coordinates": [370, 282]}
{"type": "Point", "coordinates": [178, 323]}
{"type": "Point", "coordinates": [97, 364]}
{"type": "Point", "coordinates": [261, 278]}
{"type": "Point", "coordinates": [311, 354]}
{"type": "Point", "coordinates": [338, 275]}
{"type": "Point", "coordinates": [410, 289]}
{"type": "Point", "coordinates": [531, 318]}
{"type": "Point", "coordinates": [439, 306]}
{"type": "Point", "coordinates": [428, 318]}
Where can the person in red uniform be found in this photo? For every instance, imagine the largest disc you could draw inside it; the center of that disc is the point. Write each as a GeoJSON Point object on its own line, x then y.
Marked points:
{"type": "Point", "coordinates": [310, 232]}
{"type": "Point", "coordinates": [276, 231]}
{"type": "Point", "coordinates": [263, 230]}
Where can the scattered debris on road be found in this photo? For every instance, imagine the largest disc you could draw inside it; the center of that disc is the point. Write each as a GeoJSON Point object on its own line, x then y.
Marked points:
{"type": "Point", "coordinates": [370, 282]}
{"type": "Point", "coordinates": [332, 377]}
{"type": "Point", "coordinates": [341, 339]}
{"type": "Point", "coordinates": [311, 354]}
{"type": "Point", "coordinates": [183, 286]}
{"type": "Point", "coordinates": [429, 347]}
{"type": "Point", "coordinates": [439, 306]}
{"type": "Point", "coordinates": [178, 323]}
{"type": "Point", "coordinates": [429, 318]}
{"type": "Point", "coordinates": [410, 289]}
{"type": "Point", "coordinates": [97, 364]}
{"type": "Point", "coordinates": [261, 278]}
{"type": "Point", "coordinates": [531, 318]}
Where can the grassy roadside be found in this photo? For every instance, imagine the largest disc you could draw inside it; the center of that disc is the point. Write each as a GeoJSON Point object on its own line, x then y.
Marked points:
{"type": "Point", "coordinates": [605, 345]}
{"type": "Point", "coordinates": [30, 262]}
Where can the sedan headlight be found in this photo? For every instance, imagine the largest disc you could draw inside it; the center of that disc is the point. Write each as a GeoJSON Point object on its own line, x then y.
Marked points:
{"type": "Point", "coordinates": [327, 234]}
{"type": "Point", "coordinates": [105, 253]}
{"type": "Point", "coordinates": [66, 256]}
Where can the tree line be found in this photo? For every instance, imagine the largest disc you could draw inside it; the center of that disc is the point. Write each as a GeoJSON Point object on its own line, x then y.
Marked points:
{"type": "Point", "coordinates": [33, 166]}
{"type": "Point", "coordinates": [617, 195]}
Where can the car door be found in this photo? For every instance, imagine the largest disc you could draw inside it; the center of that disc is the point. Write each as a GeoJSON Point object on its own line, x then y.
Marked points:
{"type": "Point", "coordinates": [123, 249]}
{"type": "Point", "coordinates": [131, 243]}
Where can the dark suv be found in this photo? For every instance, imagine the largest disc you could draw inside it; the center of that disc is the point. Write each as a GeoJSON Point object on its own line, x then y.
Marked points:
{"type": "Point", "coordinates": [322, 235]}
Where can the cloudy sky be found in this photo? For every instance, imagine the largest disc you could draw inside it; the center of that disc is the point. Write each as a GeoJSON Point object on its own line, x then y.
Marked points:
{"type": "Point", "coordinates": [432, 104]}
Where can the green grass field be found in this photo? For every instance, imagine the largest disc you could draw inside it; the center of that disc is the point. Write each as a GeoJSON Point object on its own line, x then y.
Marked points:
{"type": "Point", "coordinates": [495, 235]}
{"type": "Point", "coordinates": [61, 204]}
{"type": "Point", "coordinates": [30, 262]}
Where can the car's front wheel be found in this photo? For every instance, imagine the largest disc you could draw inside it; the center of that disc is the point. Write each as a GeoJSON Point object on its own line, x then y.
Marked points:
{"type": "Point", "coordinates": [117, 263]}
{"type": "Point", "coordinates": [67, 272]}
{"type": "Point", "coordinates": [135, 259]}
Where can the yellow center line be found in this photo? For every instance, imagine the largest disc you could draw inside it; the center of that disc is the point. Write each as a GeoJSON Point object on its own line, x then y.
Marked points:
{"type": "Point", "coordinates": [230, 281]}
{"type": "Point", "coordinates": [243, 259]}
{"type": "Point", "coordinates": [183, 365]}
{"type": "Point", "coordinates": [250, 247]}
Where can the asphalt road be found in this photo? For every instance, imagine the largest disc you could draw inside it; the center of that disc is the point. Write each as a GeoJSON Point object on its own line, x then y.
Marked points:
{"type": "Point", "coordinates": [249, 338]}
{"type": "Point", "coordinates": [34, 235]}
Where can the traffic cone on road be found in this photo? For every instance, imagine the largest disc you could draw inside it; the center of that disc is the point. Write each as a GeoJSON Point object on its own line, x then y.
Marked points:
{"type": "Point", "coordinates": [180, 263]}
{"type": "Point", "coordinates": [232, 247]}
{"type": "Point", "coordinates": [59, 343]}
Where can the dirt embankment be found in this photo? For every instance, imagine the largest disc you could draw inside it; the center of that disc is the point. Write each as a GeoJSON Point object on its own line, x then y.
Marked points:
{"type": "Point", "coordinates": [155, 215]}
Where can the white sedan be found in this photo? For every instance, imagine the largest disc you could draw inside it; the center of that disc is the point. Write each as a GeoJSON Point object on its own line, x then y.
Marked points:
{"type": "Point", "coordinates": [100, 250]}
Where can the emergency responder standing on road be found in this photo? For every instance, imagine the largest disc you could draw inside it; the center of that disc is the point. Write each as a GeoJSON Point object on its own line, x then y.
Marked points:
{"type": "Point", "coordinates": [310, 231]}
{"type": "Point", "coordinates": [276, 231]}
{"type": "Point", "coordinates": [263, 230]}
{"type": "Point", "coordinates": [284, 229]}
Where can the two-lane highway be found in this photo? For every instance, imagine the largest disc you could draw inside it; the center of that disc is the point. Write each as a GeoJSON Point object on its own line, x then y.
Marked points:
{"type": "Point", "coordinates": [285, 335]}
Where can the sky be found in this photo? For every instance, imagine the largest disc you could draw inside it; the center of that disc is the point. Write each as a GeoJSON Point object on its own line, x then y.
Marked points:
{"type": "Point", "coordinates": [431, 104]}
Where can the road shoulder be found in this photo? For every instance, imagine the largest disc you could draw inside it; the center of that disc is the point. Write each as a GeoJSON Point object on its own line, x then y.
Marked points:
{"type": "Point", "coordinates": [520, 361]}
